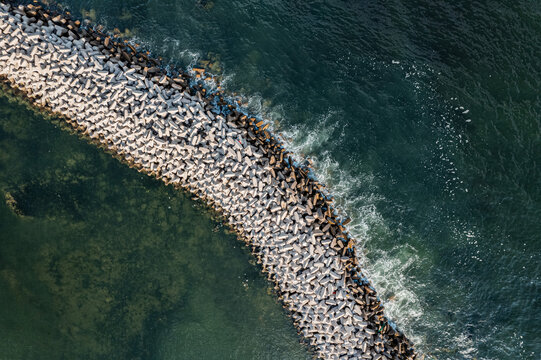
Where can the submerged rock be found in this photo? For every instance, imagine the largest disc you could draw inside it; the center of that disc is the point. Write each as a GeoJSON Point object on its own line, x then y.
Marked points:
{"type": "Point", "coordinates": [12, 204]}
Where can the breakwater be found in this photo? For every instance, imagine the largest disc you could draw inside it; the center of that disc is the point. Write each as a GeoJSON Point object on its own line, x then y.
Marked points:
{"type": "Point", "coordinates": [162, 125]}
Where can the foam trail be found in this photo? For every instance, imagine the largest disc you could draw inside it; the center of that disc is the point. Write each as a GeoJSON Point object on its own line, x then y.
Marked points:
{"type": "Point", "coordinates": [357, 195]}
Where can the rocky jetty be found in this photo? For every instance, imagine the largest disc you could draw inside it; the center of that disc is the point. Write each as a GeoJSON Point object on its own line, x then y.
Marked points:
{"type": "Point", "coordinates": [164, 125]}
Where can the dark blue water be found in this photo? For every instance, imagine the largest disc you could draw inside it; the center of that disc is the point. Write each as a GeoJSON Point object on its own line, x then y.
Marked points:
{"type": "Point", "coordinates": [422, 117]}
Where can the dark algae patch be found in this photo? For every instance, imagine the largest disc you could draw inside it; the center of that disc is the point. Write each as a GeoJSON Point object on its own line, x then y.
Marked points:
{"type": "Point", "coordinates": [98, 261]}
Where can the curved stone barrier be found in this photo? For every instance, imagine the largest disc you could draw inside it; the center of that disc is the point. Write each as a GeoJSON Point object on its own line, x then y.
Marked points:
{"type": "Point", "coordinates": [168, 128]}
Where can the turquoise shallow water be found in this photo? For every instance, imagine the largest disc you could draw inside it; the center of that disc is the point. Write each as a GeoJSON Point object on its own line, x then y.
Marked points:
{"type": "Point", "coordinates": [423, 117]}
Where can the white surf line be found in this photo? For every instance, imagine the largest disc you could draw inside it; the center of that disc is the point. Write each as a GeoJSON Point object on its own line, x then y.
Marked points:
{"type": "Point", "coordinates": [180, 138]}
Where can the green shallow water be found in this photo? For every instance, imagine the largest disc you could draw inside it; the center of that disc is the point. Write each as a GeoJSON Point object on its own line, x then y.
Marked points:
{"type": "Point", "coordinates": [423, 117]}
{"type": "Point", "coordinates": [98, 261]}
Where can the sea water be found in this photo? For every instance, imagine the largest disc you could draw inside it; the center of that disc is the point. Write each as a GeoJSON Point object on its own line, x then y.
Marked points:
{"type": "Point", "coordinates": [423, 118]}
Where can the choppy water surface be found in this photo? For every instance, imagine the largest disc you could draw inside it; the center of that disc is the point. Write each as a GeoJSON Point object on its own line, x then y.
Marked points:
{"type": "Point", "coordinates": [423, 117]}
